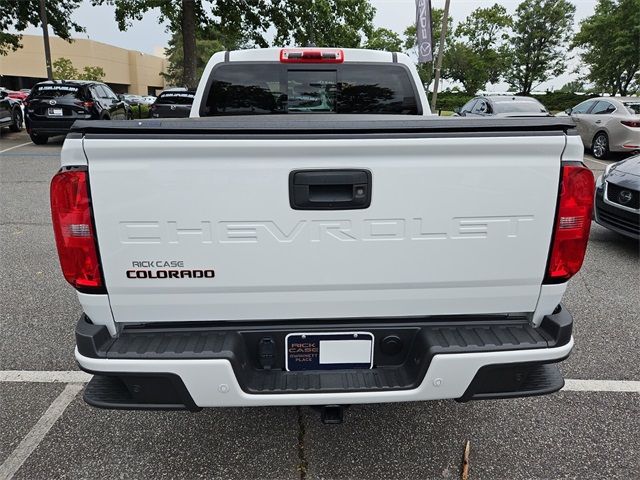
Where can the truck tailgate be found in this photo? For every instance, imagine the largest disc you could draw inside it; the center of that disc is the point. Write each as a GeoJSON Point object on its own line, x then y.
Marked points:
{"type": "Point", "coordinates": [457, 224]}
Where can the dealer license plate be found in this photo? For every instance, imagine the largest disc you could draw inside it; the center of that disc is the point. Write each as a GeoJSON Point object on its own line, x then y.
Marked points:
{"type": "Point", "coordinates": [55, 112]}
{"type": "Point", "coordinates": [329, 351]}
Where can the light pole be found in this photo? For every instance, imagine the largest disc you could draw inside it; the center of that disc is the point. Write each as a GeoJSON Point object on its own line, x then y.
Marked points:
{"type": "Point", "coordinates": [45, 37]}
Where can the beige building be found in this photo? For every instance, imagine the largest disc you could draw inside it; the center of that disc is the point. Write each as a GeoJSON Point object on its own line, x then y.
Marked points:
{"type": "Point", "coordinates": [127, 71]}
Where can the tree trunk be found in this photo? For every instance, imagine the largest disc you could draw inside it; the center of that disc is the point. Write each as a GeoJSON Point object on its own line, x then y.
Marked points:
{"type": "Point", "coordinates": [443, 35]}
{"type": "Point", "coordinates": [624, 87]}
{"type": "Point", "coordinates": [189, 44]}
{"type": "Point", "coordinates": [45, 36]}
{"type": "Point", "coordinates": [528, 81]}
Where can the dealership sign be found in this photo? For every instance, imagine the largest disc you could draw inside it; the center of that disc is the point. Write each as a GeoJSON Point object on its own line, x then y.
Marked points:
{"type": "Point", "coordinates": [423, 31]}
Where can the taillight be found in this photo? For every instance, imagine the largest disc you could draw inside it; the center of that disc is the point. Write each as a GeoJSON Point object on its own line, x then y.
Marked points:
{"type": "Point", "coordinates": [573, 223]}
{"type": "Point", "coordinates": [300, 55]}
{"type": "Point", "coordinates": [631, 123]}
{"type": "Point", "coordinates": [87, 104]}
{"type": "Point", "coordinates": [74, 232]}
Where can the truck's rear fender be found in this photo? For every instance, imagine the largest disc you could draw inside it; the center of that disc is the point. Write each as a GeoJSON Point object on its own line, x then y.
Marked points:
{"type": "Point", "coordinates": [96, 306]}
{"type": "Point", "coordinates": [551, 294]}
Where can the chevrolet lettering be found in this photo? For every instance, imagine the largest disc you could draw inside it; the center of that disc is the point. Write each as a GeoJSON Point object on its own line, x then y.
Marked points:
{"type": "Point", "coordinates": [344, 230]}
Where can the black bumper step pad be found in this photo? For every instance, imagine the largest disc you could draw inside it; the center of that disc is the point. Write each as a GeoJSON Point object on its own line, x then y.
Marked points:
{"type": "Point", "coordinates": [514, 380]}
{"type": "Point", "coordinates": [403, 368]}
{"type": "Point", "coordinates": [138, 392]}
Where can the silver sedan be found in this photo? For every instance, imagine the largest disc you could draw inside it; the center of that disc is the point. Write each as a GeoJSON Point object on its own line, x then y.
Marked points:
{"type": "Point", "coordinates": [608, 124]}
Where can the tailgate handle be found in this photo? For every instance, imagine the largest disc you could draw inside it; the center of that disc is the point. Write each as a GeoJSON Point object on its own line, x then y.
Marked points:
{"type": "Point", "coordinates": [329, 189]}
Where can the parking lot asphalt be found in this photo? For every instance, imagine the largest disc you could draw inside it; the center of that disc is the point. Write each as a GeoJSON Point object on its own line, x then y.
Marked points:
{"type": "Point", "coordinates": [572, 434]}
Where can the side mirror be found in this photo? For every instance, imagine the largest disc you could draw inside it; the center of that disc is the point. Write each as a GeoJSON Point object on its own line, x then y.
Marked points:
{"type": "Point", "coordinates": [120, 97]}
{"type": "Point", "coordinates": [4, 94]}
{"type": "Point", "coordinates": [568, 111]}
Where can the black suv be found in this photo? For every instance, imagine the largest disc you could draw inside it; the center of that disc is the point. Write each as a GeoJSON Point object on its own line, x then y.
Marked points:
{"type": "Point", "coordinates": [172, 104]}
{"type": "Point", "coordinates": [10, 112]}
{"type": "Point", "coordinates": [53, 106]}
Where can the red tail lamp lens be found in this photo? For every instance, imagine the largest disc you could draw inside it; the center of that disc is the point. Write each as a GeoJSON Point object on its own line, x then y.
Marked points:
{"type": "Point", "coordinates": [573, 223]}
{"type": "Point", "coordinates": [74, 232]}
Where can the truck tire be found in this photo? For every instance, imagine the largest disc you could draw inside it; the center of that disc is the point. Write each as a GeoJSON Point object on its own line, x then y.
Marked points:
{"type": "Point", "coordinates": [38, 139]}
{"type": "Point", "coordinates": [16, 117]}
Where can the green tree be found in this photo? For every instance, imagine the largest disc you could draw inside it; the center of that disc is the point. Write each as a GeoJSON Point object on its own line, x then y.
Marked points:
{"type": "Point", "coordinates": [541, 31]}
{"type": "Point", "coordinates": [187, 17]}
{"type": "Point", "coordinates": [324, 23]}
{"type": "Point", "coordinates": [384, 39]}
{"type": "Point", "coordinates": [575, 86]}
{"type": "Point", "coordinates": [20, 14]}
{"type": "Point", "coordinates": [92, 73]}
{"type": "Point", "coordinates": [478, 56]}
{"type": "Point", "coordinates": [610, 42]}
{"type": "Point", "coordinates": [209, 40]}
{"type": "Point", "coordinates": [63, 69]}
{"type": "Point", "coordinates": [425, 70]}
{"type": "Point", "coordinates": [180, 15]}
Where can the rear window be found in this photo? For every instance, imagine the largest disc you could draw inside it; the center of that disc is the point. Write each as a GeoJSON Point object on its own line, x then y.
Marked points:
{"type": "Point", "coordinates": [176, 98]}
{"type": "Point", "coordinates": [633, 107]}
{"type": "Point", "coordinates": [268, 88]}
{"type": "Point", "coordinates": [55, 91]}
{"type": "Point", "coordinates": [519, 107]}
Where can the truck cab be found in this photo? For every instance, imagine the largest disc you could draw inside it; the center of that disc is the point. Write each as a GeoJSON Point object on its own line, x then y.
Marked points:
{"type": "Point", "coordinates": [282, 81]}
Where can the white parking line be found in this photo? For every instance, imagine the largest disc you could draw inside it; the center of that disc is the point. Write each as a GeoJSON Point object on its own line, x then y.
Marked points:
{"type": "Point", "coordinates": [16, 146]}
{"type": "Point", "coordinates": [75, 380]}
{"type": "Point", "coordinates": [44, 376]}
{"type": "Point", "coordinates": [73, 376]}
{"type": "Point", "coordinates": [31, 441]}
{"type": "Point", "coordinates": [602, 386]}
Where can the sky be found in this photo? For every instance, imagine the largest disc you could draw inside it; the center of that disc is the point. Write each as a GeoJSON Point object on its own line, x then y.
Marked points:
{"type": "Point", "coordinates": [149, 36]}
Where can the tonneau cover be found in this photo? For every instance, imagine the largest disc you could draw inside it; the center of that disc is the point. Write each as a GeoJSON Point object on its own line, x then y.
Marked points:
{"type": "Point", "coordinates": [297, 124]}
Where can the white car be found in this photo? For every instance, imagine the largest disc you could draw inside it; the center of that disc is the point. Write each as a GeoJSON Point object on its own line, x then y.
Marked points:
{"type": "Point", "coordinates": [133, 99]}
{"type": "Point", "coordinates": [148, 100]}
{"type": "Point", "coordinates": [317, 237]}
{"type": "Point", "coordinates": [608, 124]}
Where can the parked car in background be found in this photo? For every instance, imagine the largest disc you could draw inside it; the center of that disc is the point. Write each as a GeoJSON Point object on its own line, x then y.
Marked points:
{"type": "Point", "coordinates": [54, 105]}
{"type": "Point", "coordinates": [10, 112]}
{"type": "Point", "coordinates": [172, 104]}
{"type": "Point", "coordinates": [148, 99]}
{"type": "Point", "coordinates": [18, 95]}
{"type": "Point", "coordinates": [133, 99]}
{"type": "Point", "coordinates": [502, 106]}
{"type": "Point", "coordinates": [608, 124]}
{"type": "Point", "coordinates": [617, 201]}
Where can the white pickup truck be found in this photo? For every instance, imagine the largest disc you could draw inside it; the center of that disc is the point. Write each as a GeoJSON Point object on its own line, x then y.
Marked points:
{"type": "Point", "coordinates": [317, 237]}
